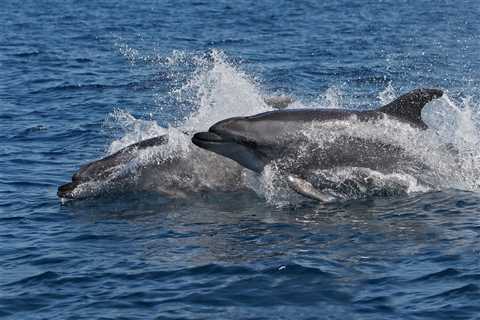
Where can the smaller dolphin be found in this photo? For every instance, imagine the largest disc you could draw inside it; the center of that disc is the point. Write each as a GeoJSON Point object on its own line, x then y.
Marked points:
{"type": "Point", "coordinates": [257, 140]}
{"type": "Point", "coordinates": [170, 170]}
{"type": "Point", "coordinates": [103, 168]}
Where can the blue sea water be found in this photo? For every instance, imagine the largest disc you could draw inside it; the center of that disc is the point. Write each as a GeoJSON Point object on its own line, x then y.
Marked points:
{"type": "Point", "coordinates": [80, 79]}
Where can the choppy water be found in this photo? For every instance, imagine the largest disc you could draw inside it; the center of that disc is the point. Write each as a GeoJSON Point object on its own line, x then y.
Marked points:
{"type": "Point", "coordinates": [82, 80]}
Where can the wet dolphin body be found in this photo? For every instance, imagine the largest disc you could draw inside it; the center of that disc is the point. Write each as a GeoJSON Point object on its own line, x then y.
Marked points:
{"type": "Point", "coordinates": [103, 168]}
{"type": "Point", "coordinates": [257, 140]}
{"type": "Point", "coordinates": [174, 175]}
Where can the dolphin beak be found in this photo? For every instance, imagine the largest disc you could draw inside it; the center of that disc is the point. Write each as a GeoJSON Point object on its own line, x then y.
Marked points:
{"type": "Point", "coordinates": [207, 137]}
{"type": "Point", "coordinates": [227, 146]}
{"type": "Point", "coordinates": [207, 140]}
{"type": "Point", "coordinates": [66, 191]}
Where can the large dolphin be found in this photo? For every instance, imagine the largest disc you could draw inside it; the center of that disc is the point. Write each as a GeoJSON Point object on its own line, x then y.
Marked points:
{"type": "Point", "coordinates": [257, 140]}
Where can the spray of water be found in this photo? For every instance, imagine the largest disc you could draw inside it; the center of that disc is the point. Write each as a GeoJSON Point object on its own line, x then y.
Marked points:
{"type": "Point", "coordinates": [220, 90]}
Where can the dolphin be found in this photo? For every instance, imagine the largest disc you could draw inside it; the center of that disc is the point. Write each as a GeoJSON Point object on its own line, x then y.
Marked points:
{"type": "Point", "coordinates": [150, 165]}
{"type": "Point", "coordinates": [257, 140]}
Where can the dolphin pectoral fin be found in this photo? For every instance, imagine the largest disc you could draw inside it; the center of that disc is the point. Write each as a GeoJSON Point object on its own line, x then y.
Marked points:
{"type": "Point", "coordinates": [409, 106]}
{"type": "Point", "coordinates": [306, 189]}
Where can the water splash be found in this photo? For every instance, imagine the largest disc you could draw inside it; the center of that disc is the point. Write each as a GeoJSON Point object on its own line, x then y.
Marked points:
{"type": "Point", "coordinates": [387, 95]}
{"type": "Point", "coordinates": [132, 130]}
{"type": "Point", "coordinates": [214, 89]}
{"type": "Point", "coordinates": [445, 156]}
{"type": "Point", "coordinates": [220, 90]}
{"type": "Point", "coordinates": [332, 99]}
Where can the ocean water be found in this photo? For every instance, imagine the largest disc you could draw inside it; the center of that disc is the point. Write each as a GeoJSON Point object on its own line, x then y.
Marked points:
{"type": "Point", "coordinates": [80, 80]}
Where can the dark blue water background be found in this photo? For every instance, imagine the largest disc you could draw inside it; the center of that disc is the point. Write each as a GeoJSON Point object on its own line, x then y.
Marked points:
{"type": "Point", "coordinates": [65, 66]}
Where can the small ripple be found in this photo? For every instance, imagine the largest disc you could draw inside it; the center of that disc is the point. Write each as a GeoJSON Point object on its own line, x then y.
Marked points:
{"type": "Point", "coordinates": [27, 54]}
{"type": "Point", "coordinates": [470, 277]}
{"type": "Point", "coordinates": [28, 184]}
{"type": "Point", "coordinates": [271, 286]}
{"type": "Point", "coordinates": [8, 116]}
{"type": "Point", "coordinates": [382, 280]}
{"type": "Point", "coordinates": [76, 87]}
{"type": "Point", "coordinates": [374, 304]}
{"type": "Point", "coordinates": [28, 303]}
{"type": "Point", "coordinates": [4, 313]}
{"type": "Point", "coordinates": [102, 304]}
{"type": "Point", "coordinates": [83, 60]}
{"type": "Point", "coordinates": [446, 273]}
{"type": "Point", "coordinates": [24, 257]}
{"type": "Point", "coordinates": [445, 258]}
{"type": "Point", "coordinates": [33, 130]}
{"type": "Point", "coordinates": [49, 260]}
{"type": "Point", "coordinates": [469, 289]}
{"type": "Point", "coordinates": [76, 133]}
{"type": "Point", "coordinates": [36, 279]}
{"type": "Point", "coordinates": [136, 86]}
{"type": "Point", "coordinates": [187, 272]}
{"type": "Point", "coordinates": [96, 237]}
{"type": "Point", "coordinates": [9, 219]}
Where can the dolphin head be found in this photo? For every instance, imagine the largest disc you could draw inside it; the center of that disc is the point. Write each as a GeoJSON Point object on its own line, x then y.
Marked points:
{"type": "Point", "coordinates": [256, 140]}
{"type": "Point", "coordinates": [247, 140]}
{"type": "Point", "coordinates": [231, 138]}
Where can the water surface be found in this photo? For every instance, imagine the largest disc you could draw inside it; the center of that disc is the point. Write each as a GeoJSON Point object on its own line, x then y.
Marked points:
{"type": "Point", "coordinates": [79, 80]}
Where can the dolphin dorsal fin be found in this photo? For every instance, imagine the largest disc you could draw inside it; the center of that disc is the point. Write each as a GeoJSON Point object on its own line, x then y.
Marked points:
{"type": "Point", "coordinates": [409, 106]}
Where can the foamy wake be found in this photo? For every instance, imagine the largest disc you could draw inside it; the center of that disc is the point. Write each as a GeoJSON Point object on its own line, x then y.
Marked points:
{"type": "Point", "coordinates": [216, 89]}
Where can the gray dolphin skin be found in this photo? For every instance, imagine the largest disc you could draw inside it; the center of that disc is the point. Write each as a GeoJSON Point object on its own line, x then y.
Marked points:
{"type": "Point", "coordinates": [257, 140]}
{"type": "Point", "coordinates": [172, 175]}
{"type": "Point", "coordinates": [103, 168]}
